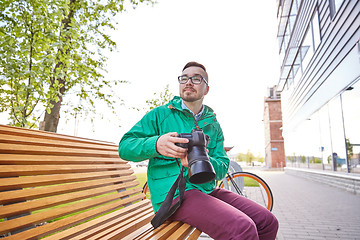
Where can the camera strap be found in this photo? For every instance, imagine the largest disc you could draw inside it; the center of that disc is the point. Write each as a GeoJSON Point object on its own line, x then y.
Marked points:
{"type": "Point", "coordinates": [167, 208]}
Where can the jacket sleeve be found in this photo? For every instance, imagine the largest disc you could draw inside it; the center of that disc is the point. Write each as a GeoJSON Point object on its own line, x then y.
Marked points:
{"type": "Point", "coordinates": [140, 142]}
{"type": "Point", "coordinates": [219, 158]}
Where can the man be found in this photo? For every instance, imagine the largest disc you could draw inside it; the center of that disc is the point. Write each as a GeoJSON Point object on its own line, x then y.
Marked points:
{"type": "Point", "coordinates": [218, 212]}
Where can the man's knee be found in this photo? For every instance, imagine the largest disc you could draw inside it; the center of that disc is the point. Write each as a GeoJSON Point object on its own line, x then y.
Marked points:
{"type": "Point", "coordinates": [272, 221]}
{"type": "Point", "coordinates": [268, 229]}
{"type": "Point", "coordinates": [244, 229]}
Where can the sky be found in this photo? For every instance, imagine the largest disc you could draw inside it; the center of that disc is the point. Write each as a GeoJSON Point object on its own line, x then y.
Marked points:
{"type": "Point", "coordinates": [235, 40]}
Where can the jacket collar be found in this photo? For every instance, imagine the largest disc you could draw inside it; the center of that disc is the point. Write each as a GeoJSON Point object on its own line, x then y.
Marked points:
{"type": "Point", "coordinates": [176, 103]}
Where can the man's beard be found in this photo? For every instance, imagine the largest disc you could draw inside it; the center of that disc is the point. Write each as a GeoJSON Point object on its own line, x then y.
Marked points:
{"type": "Point", "coordinates": [189, 97]}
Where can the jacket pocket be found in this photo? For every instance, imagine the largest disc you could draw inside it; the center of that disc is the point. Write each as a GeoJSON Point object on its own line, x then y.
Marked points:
{"type": "Point", "coordinates": [161, 176]}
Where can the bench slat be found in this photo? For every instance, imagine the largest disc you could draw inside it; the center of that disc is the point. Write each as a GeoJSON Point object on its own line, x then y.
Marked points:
{"type": "Point", "coordinates": [28, 170]}
{"type": "Point", "coordinates": [161, 232]}
{"type": "Point", "coordinates": [10, 130]}
{"type": "Point", "coordinates": [23, 159]}
{"type": "Point", "coordinates": [149, 232]}
{"type": "Point", "coordinates": [43, 203]}
{"type": "Point", "coordinates": [125, 223]}
{"type": "Point", "coordinates": [34, 193]}
{"type": "Point", "coordinates": [62, 151]}
{"type": "Point", "coordinates": [194, 235]}
{"type": "Point", "coordinates": [44, 180]}
{"type": "Point", "coordinates": [36, 141]}
{"type": "Point", "coordinates": [75, 219]}
{"type": "Point", "coordinates": [130, 226]}
{"type": "Point", "coordinates": [81, 231]}
{"type": "Point", "coordinates": [44, 216]}
{"type": "Point", "coordinates": [181, 232]}
{"type": "Point", "coordinates": [143, 231]}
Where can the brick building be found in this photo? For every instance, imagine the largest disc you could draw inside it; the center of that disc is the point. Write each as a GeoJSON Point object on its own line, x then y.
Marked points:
{"type": "Point", "coordinates": [274, 141]}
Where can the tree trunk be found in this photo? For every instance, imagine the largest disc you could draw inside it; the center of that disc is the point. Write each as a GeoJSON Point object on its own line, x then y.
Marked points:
{"type": "Point", "coordinates": [51, 120]}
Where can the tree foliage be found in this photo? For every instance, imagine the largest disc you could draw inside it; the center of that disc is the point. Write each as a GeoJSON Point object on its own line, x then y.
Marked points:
{"type": "Point", "coordinates": [249, 157]}
{"type": "Point", "coordinates": [50, 49]}
{"type": "Point", "coordinates": [160, 99]}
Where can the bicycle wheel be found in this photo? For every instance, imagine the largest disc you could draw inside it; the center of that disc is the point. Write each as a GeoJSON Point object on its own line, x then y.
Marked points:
{"type": "Point", "coordinates": [146, 191]}
{"type": "Point", "coordinates": [250, 186]}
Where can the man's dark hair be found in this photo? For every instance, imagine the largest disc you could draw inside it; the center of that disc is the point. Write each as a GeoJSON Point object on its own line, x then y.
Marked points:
{"type": "Point", "coordinates": [194, 64]}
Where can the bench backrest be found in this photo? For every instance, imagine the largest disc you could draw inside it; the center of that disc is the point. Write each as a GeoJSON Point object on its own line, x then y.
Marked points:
{"type": "Point", "coordinates": [50, 182]}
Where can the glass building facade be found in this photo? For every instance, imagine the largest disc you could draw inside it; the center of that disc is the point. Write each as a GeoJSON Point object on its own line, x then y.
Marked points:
{"type": "Point", "coordinates": [319, 51]}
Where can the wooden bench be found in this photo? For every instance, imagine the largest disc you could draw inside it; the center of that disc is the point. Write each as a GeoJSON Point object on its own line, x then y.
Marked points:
{"type": "Point", "coordinates": [63, 187]}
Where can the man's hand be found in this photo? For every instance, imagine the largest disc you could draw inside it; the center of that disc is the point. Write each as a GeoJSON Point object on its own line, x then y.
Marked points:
{"type": "Point", "coordinates": [165, 145]}
{"type": "Point", "coordinates": [184, 161]}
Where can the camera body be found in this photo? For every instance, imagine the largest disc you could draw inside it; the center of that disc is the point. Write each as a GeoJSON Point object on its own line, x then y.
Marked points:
{"type": "Point", "coordinates": [200, 168]}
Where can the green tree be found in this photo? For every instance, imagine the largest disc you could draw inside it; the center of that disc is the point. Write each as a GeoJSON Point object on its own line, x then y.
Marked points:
{"type": "Point", "coordinates": [260, 158]}
{"type": "Point", "coordinates": [249, 157]}
{"type": "Point", "coordinates": [52, 49]}
{"type": "Point", "coordinates": [349, 149]}
{"type": "Point", "coordinates": [241, 157]}
{"type": "Point", "coordinates": [160, 99]}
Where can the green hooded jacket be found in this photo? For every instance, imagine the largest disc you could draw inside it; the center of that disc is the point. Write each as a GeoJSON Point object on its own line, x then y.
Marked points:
{"type": "Point", "coordinates": [140, 144]}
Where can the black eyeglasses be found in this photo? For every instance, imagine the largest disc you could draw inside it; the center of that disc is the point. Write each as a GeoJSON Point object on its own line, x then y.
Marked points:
{"type": "Point", "coordinates": [195, 79]}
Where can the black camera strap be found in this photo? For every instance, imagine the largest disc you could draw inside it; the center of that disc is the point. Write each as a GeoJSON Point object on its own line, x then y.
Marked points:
{"type": "Point", "coordinates": [167, 208]}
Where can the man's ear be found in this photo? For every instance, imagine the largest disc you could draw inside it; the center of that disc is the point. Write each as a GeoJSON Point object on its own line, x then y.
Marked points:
{"type": "Point", "coordinates": [207, 90]}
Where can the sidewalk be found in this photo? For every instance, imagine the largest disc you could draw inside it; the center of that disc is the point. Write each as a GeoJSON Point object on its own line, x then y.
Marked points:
{"type": "Point", "coordinates": [310, 210]}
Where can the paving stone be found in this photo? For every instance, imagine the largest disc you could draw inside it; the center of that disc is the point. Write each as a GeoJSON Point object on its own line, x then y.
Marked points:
{"type": "Point", "coordinates": [311, 210]}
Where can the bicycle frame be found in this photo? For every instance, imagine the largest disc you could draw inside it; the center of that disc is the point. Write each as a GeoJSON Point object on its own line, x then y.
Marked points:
{"type": "Point", "coordinates": [234, 184]}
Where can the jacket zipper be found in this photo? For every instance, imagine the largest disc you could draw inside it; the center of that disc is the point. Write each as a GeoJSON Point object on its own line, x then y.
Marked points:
{"type": "Point", "coordinates": [196, 123]}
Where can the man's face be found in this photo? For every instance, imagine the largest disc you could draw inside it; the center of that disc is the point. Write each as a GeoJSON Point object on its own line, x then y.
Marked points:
{"type": "Point", "coordinates": [190, 92]}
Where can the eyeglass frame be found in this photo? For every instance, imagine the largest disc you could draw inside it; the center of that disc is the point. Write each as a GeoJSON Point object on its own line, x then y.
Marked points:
{"type": "Point", "coordinates": [191, 79]}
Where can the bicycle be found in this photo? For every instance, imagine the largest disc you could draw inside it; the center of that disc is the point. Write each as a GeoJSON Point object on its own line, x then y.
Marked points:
{"type": "Point", "coordinates": [243, 183]}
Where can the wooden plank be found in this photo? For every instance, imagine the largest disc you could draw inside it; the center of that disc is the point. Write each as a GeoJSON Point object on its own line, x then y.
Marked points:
{"type": "Point", "coordinates": [108, 228]}
{"type": "Point", "coordinates": [165, 232]}
{"type": "Point", "coordinates": [75, 219]}
{"type": "Point", "coordinates": [62, 151]}
{"type": "Point", "coordinates": [182, 232]}
{"type": "Point", "coordinates": [130, 226]}
{"type": "Point", "coordinates": [44, 203]}
{"type": "Point", "coordinates": [194, 235]}
{"type": "Point", "coordinates": [44, 216]}
{"type": "Point", "coordinates": [34, 193]}
{"type": "Point", "coordinates": [45, 180]}
{"type": "Point", "coordinates": [83, 230]}
{"type": "Point", "coordinates": [23, 159]}
{"type": "Point", "coordinates": [47, 135]}
{"type": "Point", "coordinates": [36, 141]}
{"type": "Point", "coordinates": [148, 233]}
{"type": "Point", "coordinates": [140, 232]}
{"type": "Point", "coordinates": [28, 170]}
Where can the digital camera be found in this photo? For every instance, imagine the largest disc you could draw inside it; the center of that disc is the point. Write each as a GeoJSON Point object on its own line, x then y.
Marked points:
{"type": "Point", "coordinates": [200, 168]}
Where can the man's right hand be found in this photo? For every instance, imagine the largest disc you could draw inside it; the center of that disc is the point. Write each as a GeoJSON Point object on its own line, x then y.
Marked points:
{"type": "Point", "coordinates": [165, 145]}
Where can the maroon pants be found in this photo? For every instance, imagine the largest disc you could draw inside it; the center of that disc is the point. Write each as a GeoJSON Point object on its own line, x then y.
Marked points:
{"type": "Point", "coordinates": [226, 215]}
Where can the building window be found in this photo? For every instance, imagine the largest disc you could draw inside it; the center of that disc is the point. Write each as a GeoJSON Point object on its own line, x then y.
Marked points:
{"type": "Point", "coordinates": [306, 49]}
{"type": "Point", "coordinates": [296, 70]}
{"type": "Point", "coordinates": [292, 16]}
{"type": "Point", "coordinates": [337, 132]}
{"type": "Point", "coordinates": [311, 42]}
{"type": "Point", "coordinates": [351, 114]}
{"type": "Point", "coordinates": [316, 30]}
{"type": "Point", "coordinates": [334, 6]}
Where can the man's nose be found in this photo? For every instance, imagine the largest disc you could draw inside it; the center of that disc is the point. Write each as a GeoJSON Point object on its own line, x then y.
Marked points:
{"type": "Point", "coordinates": [189, 83]}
